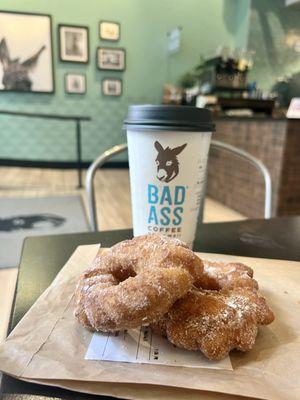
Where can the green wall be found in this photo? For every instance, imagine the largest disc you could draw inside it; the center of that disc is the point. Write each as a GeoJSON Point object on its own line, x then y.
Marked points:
{"type": "Point", "coordinates": [271, 24]}
{"type": "Point", "coordinates": [144, 24]}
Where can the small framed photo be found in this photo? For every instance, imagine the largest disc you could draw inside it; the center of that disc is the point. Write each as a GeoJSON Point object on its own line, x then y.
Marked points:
{"type": "Point", "coordinates": [113, 59]}
{"type": "Point", "coordinates": [109, 30]}
{"type": "Point", "coordinates": [75, 83]}
{"type": "Point", "coordinates": [73, 43]}
{"type": "Point", "coordinates": [111, 87]}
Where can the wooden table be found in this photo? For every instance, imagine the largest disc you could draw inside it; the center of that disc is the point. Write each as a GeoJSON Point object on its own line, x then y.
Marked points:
{"type": "Point", "coordinates": [44, 256]}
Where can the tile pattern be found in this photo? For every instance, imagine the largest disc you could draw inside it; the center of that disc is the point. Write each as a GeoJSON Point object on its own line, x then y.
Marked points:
{"type": "Point", "coordinates": [38, 139]}
{"type": "Point", "coordinates": [237, 184]}
{"type": "Point", "coordinates": [289, 193]}
{"type": "Point", "coordinates": [148, 67]}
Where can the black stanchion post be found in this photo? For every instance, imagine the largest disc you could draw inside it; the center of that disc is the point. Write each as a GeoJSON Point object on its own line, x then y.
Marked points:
{"type": "Point", "coordinates": [78, 145]}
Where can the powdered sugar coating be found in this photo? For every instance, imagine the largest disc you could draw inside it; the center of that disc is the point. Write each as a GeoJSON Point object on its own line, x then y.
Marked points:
{"type": "Point", "coordinates": [135, 282]}
{"type": "Point", "coordinates": [214, 308]}
{"type": "Point", "coordinates": [219, 275]}
{"type": "Point", "coordinates": [215, 322]}
{"type": "Point", "coordinates": [137, 300]}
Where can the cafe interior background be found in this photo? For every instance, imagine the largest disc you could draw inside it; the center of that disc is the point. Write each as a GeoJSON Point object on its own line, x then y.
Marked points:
{"type": "Point", "coordinates": [240, 58]}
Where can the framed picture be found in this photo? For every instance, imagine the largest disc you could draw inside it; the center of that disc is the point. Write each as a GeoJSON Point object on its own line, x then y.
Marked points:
{"type": "Point", "coordinates": [26, 56]}
{"type": "Point", "coordinates": [109, 30]}
{"type": "Point", "coordinates": [73, 43]}
{"type": "Point", "coordinates": [111, 87]}
{"type": "Point", "coordinates": [109, 58]}
{"type": "Point", "coordinates": [75, 83]}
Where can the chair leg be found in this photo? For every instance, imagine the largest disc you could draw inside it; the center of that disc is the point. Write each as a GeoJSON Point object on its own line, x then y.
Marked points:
{"type": "Point", "coordinates": [90, 178]}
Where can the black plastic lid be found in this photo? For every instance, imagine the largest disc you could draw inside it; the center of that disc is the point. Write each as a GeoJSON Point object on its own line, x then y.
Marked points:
{"type": "Point", "coordinates": [176, 118]}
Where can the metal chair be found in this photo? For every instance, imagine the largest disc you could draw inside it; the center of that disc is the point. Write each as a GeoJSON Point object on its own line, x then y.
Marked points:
{"type": "Point", "coordinates": [108, 154]}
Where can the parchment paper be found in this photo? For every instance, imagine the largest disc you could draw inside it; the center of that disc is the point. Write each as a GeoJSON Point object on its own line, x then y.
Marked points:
{"type": "Point", "coordinates": [48, 346]}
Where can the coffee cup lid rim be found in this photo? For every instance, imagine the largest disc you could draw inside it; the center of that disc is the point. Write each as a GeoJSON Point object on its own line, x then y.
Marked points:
{"type": "Point", "coordinates": [166, 117]}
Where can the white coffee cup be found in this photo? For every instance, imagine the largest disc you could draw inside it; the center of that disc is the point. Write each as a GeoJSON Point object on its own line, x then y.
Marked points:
{"type": "Point", "coordinates": [168, 149]}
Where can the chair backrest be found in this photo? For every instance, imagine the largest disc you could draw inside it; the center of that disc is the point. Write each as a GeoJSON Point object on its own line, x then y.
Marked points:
{"type": "Point", "coordinates": [108, 154]}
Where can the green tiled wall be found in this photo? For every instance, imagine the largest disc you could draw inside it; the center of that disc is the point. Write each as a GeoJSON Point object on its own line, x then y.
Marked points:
{"type": "Point", "coordinates": [144, 24]}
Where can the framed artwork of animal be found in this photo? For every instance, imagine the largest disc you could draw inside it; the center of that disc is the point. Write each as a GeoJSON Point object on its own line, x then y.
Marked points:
{"type": "Point", "coordinates": [112, 87]}
{"type": "Point", "coordinates": [26, 54]}
{"type": "Point", "coordinates": [75, 83]}
{"type": "Point", "coordinates": [109, 30]}
{"type": "Point", "coordinates": [73, 43]}
{"type": "Point", "coordinates": [111, 58]}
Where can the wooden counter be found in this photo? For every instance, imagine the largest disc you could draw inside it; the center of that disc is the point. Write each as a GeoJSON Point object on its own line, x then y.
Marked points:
{"type": "Point", "coordinates": [276, 142]}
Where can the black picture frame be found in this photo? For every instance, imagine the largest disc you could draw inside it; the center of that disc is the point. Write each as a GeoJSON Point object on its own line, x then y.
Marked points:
{"type": "Point", "coordinates": [103, 89]}
{"type": "Point", "coordinates": [75, 59]}
{"type": "Point", "coordinates": [102, 22]}
{"type": "Point", "coordinates": [68, 75]}
{"type": "Point", "coordinates": [52, 73]}
{"type": "Point", "coordinates": [101, 64]}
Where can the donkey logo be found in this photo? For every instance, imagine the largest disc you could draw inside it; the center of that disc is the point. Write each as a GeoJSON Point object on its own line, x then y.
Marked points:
{"type": "Point", "coordinates": [34, 221]}
{"type": "Point", "coordinates": [16, 73]}
{"type": "Point", "coordinates": [167, 162]}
